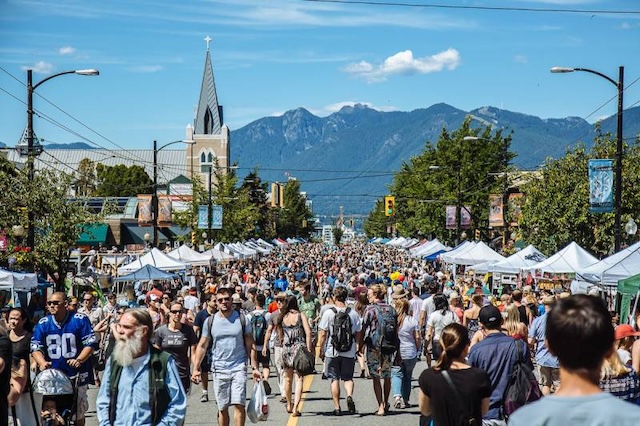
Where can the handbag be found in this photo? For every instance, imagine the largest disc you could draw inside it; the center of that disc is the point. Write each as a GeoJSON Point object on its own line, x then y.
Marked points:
{"type": "Point", "coordinates": [304, 362]}
{"type": "Point", "coordinates": [471, 421]}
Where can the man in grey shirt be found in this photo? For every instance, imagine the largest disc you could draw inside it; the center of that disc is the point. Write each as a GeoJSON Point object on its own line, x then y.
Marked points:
{"type": "Point", "coordinates": [232, 348]}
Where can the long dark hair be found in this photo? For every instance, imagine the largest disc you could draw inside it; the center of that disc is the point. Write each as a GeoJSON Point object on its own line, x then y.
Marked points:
{"type": "Point", "coordinates": [28, 325]}
{"type": "Point", "coordinates": [454, 339]}
{"type": "Point", "coordinates": [289, 304]}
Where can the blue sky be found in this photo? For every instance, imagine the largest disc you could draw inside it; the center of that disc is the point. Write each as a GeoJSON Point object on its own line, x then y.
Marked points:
{"type": "Point", "coordinates": [270, 56]}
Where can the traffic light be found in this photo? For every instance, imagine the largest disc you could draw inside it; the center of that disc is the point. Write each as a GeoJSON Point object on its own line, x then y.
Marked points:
{"type": "Point", "coordinates": [193, 239]}
{"type": "Point", "coordinates": [389, 205]}
{"type": "Point", "coordinates": [477, 234]}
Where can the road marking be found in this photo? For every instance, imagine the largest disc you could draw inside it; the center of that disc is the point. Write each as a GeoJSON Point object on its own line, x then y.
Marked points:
{"type": "Point", "coordinates": [306, 385]}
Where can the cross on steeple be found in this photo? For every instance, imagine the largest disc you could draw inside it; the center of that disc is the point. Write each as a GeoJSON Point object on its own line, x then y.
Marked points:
{"type": "Point", "coordinates": [208, 40]}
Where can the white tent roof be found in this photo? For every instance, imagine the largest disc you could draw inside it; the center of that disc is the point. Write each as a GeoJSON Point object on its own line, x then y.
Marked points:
{"type": "Point", "coordinates": [429, 248]}
{"type": "Point", "coordinates": [218, 255]}
{"type": "Point", "coordinates": [528, 256]}
{"type": "Point", "coordinates": [484, 267]}
{"type": "Point", "coordinates": [476, 254]}
{"type": "Point", "coordinates": [570, 259]}
{"type": "Point", "coordinates": [458, 250]}
{"type": "Point", "coordinates": [188, 255]}
{"type": "Point", "coordinates": [618, 266]}
{"type": "Point", "coordinates": [18, 280]}
{"type": "Point", "coordinates": [154, 258]}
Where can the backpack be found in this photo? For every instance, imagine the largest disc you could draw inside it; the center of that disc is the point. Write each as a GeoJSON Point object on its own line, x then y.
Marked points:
{"type": "Point", "coordinates": [522, 387]}
{"type": "Point", "coordinates": [259, 328]}
{"type": "Point", "coordinates": [388, 330]}
{"type": "Point", "coordinates": [341, 334]}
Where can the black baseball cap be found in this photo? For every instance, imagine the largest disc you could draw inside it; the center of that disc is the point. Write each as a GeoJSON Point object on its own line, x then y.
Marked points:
{"type": "Point", "coordinates": [490, 316]}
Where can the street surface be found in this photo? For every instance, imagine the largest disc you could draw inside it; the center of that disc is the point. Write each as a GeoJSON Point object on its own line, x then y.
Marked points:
{"type": "Point", "coordinates": [316, 405]}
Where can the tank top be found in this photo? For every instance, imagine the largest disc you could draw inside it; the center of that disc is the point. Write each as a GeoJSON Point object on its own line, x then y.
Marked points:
{"type": "Point", "coordinates": [523, 314]}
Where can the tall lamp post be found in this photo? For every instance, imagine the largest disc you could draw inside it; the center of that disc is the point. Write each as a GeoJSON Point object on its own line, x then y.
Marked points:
{"type": "Point", "coordinates": [31, 236]}
{"type": "Point", "coordinates": [618, 190]}
{"type": "Point", "coordinates": [154, 194]}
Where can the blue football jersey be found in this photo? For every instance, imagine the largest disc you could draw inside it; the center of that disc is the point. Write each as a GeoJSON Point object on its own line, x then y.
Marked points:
{"type": "Point", "coordinates": [62, 342]}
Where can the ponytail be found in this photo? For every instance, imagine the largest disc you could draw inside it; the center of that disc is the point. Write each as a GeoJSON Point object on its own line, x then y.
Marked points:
{"type": "Point", "coordinates": [453, 340]}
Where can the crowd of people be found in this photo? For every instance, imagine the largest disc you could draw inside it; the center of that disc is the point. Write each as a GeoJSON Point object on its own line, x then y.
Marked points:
{"type": "Point", "coordinates": [367, 311]}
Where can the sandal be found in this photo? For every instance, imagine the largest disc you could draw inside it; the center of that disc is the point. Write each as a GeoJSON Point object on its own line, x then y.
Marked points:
{"type": "Point", "coordinates": [296, 414]}
{"type": "Point", "coordinates": [289, 409]}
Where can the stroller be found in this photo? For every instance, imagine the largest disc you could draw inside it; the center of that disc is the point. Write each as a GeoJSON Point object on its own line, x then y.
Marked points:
{"type": "Point", "coordinates": [56, 385]}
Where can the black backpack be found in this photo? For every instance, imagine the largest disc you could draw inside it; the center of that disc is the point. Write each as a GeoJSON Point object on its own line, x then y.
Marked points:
{"type": "Point", "coordinates": [259, 327]}
{"type": "Point", "coordinates": [341, 334]}
{"type": "Point", "coordinates": [522, 387]}
{"type": "Point", "coordinates": [388, 327]}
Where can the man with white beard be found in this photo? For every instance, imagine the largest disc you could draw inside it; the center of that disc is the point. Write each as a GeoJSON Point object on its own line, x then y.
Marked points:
{"type": "Point", "coordinates": [141, 384]}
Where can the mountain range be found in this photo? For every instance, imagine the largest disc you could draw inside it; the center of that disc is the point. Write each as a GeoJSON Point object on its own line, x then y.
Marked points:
{"type": "Point", "coordinates": [349, 157]}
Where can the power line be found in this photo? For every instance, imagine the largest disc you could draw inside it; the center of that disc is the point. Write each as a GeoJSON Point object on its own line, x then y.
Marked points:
{"type": "Point", "coordinates": [486, 8]}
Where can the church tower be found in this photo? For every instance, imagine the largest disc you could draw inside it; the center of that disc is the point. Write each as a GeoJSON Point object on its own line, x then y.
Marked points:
{"type": "Point", "coordinates": [209, 132]}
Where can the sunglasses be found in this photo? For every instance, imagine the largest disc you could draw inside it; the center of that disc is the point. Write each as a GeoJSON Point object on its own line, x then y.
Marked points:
{"type": "Point", "coordinates": [165, 298]}
{"type": "Point", "coordinates": [87, 300]}
{"type": "Point", "coordinates": [54, 302]}
{"type": "Point", "coordinates": [176, 311]}
{"type": "Point", "coordinates": [223, 299]}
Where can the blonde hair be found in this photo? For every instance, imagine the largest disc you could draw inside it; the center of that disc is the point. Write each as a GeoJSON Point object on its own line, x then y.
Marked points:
{"type": "Point", "coordinates": [613, 367]}
{"type": "Point", "coordinates": [402, 307]}
{"type": "Point", "coordinates": [512, 322]}
{"type": "Point", "coordinates": [379, 291]}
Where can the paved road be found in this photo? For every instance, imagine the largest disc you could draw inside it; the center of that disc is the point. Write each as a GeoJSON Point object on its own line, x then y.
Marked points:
{"type": "Point", "coordinates": [316, 406]}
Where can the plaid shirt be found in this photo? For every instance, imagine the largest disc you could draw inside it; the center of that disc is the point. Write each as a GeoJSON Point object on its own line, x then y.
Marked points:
{"type": "Point", "coordinates": [626, 386]}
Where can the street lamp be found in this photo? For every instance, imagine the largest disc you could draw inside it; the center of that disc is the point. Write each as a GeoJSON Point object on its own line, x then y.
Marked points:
{"type": "Point", "coordinates": [505, 191]}
{"type": "Point", "coordinates": [147, 238]}
{"type": "Point", "coordinates": [631, 227]}
{"type": "Point", "coordinates": [31, 236]}
{"type": "Point", "coordinates": [618, 190]}
{"type": "Point", "coordinates": [154, 195]}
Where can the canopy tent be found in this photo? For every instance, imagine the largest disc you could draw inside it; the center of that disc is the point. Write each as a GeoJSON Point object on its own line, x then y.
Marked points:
{"type": "Point", "coordinates": [187, 255]}
{"type": "Point", "coordinates": [155, 258]}
{"type": "Point", "coordinates": [628, 289]}
{"type": "Point", "coordinates": [513, 264]}
{"type": "Point", "coordinates": [433, 246]}
{"type": "Point", "coordinates": [479, 253]}
{"type": "Point", "coordinates": [147, 273]}
{"type": "Point", "coordinates": [114, 259]}
{"type": "Point", "coordinates": [569, 260]}
{"type": "Point", "coordinates": [609, 271]}
{"type": "Point", "coordinates": [218, 255]}
{"type": "Point", "coordinates": [18, 281]}
{"type": "Point", "coordinates": [484, 267]}
{"type": "Point", "coordinates": [457, 250]}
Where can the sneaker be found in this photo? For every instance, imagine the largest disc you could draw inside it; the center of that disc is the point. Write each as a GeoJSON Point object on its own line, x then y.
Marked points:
{"type": "Point", "coordinates": [324, 376]}
{"type": "Point", "coordinates": [204, 397]}
{"type": "Point", "coordinates": [267, 388]}
{"type": "Point", "coordinates": [336, 412]}
{"type": "Point", "coordinates": [398, 403]}
{"type": "Point", "coordinates": [351, 406]}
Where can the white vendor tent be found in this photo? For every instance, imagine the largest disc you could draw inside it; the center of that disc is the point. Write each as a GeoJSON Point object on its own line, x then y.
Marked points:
{"type": "Point", "coordinates": [528, 256]}
{"type": "Point", "coordinates": [457, 250]}
{"type": "Point", "coordinates": [570, 260]}
{"type": "Point", "coordinates": [218, 255]}
{"type": "Point", "coordinates": [618, 266]}
{"type": "Point", "coordinates": [17, 281]}
{"type": "Point", "coordinates": [154, 258]}
{"type": "Point", "coordinates": [188, 255]}
{"type": "Point", "coordinates": [433, 246]}
{"type": "Point", "coordinates": [479, 253]}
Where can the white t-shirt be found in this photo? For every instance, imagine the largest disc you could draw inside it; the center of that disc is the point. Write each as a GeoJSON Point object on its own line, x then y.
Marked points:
{"type": "Point", "coordinates": [326, 324]}
{"type": "Point", "coordinates": [192, 303]}
{"type": "Point", "coordinates": [407, 335]}
{"type": "Point", "coordinates": [439, 321]}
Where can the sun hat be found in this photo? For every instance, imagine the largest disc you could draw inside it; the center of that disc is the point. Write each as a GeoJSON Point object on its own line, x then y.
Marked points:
{"type": "Point", "coordinates": [398, 292]}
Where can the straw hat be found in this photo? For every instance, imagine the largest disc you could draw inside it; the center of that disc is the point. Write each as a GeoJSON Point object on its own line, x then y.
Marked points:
{"type": "Point", "coordinates": [398, 292]}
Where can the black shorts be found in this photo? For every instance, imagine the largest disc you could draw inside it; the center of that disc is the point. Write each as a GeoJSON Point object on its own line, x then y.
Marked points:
{"type": "Point", "coordinates": [265, 360]}
{"type": "Point", "coordinates": [340, 368]}
{"type": "Point", "coordinates": [205, 365]}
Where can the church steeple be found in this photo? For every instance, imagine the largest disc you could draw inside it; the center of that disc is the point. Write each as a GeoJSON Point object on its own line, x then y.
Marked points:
{"type": "Point", "coordinates": [208, 120]}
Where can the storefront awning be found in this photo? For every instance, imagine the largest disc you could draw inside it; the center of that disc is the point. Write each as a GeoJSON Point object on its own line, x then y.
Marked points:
{"type": "Point", "coordinates": [133, 234]}
{"type": "Point", "coordinates": [93, 234]}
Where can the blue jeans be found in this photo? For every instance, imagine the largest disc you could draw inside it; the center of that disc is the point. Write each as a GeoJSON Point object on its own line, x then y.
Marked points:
{"type": "Point", "coordinates": [401, 378]}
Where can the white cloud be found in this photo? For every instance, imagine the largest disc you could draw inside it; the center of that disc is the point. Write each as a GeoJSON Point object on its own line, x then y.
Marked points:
{"type": "Point", "coordinates": [146, 68]}
{"type": "Point", "coordinates": [522, 59]}
{"type": "Point", "coordinates": [403, 63]}
{"type": "Point", "coordinates": [66, 50]}
{"type": "Point", "coordinates": [41, 67]}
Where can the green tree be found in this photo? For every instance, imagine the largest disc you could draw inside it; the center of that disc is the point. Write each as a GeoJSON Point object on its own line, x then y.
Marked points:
{"type": "Point", "coordinates": [337, 235]}
{"type": "Point", "coordinates": [556, 207]}
{"type": "Point", "coordinates": [294, 220]}
{"type": "Point", "coordinates": [189, 218]}
{"type": "Point", "coordinates": [58, 221]}
{"type": "Point", "coordinates": [451, 171]}
{"type": "Point", "coordinates": [257, 190]}
{"type": "Point", "coordinates": [122, 181]}
{"type": "Point", "coordinates": [376, 223]}
{"type": "Point", "coordinates": [86, 178]}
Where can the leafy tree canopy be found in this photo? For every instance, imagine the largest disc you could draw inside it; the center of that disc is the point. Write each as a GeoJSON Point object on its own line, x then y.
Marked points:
{"type": "Point", "coordinates": [122, 181]}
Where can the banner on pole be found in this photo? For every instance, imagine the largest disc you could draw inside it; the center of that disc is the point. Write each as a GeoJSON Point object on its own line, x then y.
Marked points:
{"type": "Point", "coordinates": [465, 217]}
{"type": "Point", "coordinates": [145, 217]}
{"type": "Point", "coordinates": [216, 217]}
{"type": "Point", "coordinates": [601, 186]}
{"type": "Point", "coordinates": [203, 217]}
{"type": "Point", "coordinates": [451, 217]}
{"type": "Point", "coordinates": [495, 211]}
{"type": "Point", "coordinates": [164, 211]}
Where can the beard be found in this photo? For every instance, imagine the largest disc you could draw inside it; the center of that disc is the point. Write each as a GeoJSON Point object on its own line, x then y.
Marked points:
{"type": "Point", "coordinates": [126, 350]}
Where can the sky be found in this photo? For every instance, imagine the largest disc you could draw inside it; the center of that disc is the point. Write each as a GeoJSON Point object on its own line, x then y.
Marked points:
{"type": "Point", "coordinates": [271, 56]}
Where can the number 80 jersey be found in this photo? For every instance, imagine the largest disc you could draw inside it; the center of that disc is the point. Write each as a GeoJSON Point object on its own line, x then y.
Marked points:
{"type": "Point", "coordinates": [62, 342]}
